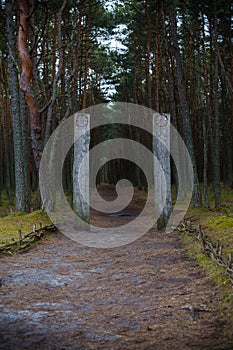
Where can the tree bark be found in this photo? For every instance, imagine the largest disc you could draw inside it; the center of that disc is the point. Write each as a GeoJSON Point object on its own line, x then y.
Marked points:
{"type": "Point", "coordinates": [148, 82]}
{"type": "Point", "coordinates": [205, 112]}
{"type": "Point", "coordinates": [22, 188]}
{"type": "Point", "coordinates": [56, 76]}
{"type": "Point", "coordinates": [187, 130]}
{"type": "Point", "coordinates": [216, 159]}
{"type": "Point", "coordinates": [86, 56]}
{"type": "Point", "coordinates": [25, 82]}
{"type": "Point", "coordinates": [171, 95]}
{"type": "Point", "coordinates": [157, 61]}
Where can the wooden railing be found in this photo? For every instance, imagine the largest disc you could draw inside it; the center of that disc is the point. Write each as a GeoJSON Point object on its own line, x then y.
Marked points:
{"type": "Point", "coordinates": [24, 241]}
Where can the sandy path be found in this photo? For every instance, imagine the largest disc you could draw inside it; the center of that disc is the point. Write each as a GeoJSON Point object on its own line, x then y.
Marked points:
{"type": "Point", "coordinates": [61, 295]}
{"type": "Point", "coordinates": [145, 295]}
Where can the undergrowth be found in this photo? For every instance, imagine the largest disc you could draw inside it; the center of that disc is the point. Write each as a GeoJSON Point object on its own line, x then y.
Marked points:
{"type": "Point", "coordinates": [11, 224]}
{"type": "Point", "coordinates": [217, 223]}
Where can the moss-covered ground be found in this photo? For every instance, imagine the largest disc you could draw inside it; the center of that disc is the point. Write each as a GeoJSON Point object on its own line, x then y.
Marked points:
{"type": "Point", "coordinates": [11, 224]}
{"type": "Point", "coordinates": [217, 223]}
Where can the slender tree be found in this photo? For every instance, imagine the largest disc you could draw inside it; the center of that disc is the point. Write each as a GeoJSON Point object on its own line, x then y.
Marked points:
{"type": "Point", "coordinates": [26, 11]}
{"type": "Point", "coordinates": [187, 131]}
{"type": "Point", "coordinates": [18, 120]}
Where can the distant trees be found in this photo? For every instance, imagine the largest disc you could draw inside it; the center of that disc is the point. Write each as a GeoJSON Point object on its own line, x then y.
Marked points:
{"type": "Point", "coordinates": [55, 65]}
{"type": "Point", "coordinates": [190, 77]}
{"type": "Point", "coordinates": [182, 100]}
{"type": "Point", "coordinates": [55, 60]}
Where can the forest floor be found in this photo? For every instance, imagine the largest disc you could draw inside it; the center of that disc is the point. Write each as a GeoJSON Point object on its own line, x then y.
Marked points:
{"type": "Point", "coordinates": [145, 295]}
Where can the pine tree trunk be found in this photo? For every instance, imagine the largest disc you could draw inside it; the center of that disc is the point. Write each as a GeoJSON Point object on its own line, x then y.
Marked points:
{"type": "Point", "coordinates": [157, 59]}
{"type": "Point", "coordinates": [205, 158]}
{"type": "Point", "coordinates": [56, 76]}
{"type": "Point", "coordinates": [205, 113]}
{"type": "Point", "coordinates": [25, 82]}
{"type": "Point", "coordinates": [86, 56]}
{"type": "Point", "coordinates": [171, 95]}
{"type": "Point", "coordinates": [187, 130]}
{"type": "Point", "coordinates": [18, 121]}
{"type": "Point", "coordinates": [216, 163]}
{"type": "Point", "coordinates": [148, 82]}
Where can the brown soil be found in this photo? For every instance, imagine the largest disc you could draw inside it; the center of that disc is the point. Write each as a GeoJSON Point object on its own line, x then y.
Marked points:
{"type": "Point", "coordinates": [145, 295]}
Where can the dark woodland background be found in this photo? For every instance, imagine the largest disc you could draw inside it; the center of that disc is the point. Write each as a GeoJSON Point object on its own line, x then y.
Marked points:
{"type": "Point", "coordinates": [58, 57]}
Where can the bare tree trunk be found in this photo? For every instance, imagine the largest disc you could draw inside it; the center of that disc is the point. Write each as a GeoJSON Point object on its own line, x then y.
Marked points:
{"type": "Point", "coordinates": [205, 111]}
{"type": "Point", "coordinates": [148, 82]}
{"type": "Point", "coordinates": [157, 58]}
{"type": "Point", "coordinates": [6, 142]}
{"type": "Point", "coordinates": [205, 157]}
{"type": "Point", "coordinates": [25, 82]}
{"type": "Point", "coordinates": [216, 163]}
{"type": "Point", "coordinates": [56, 76]}
{"type": "Point", "coordinates": [187, 130]}
{"type": "Point", "coordinates": [86, 56]}
{"type": "Point", "coordinates": [171, 89]}
{"type": "Point", "coordinates": [18, 121]}
{"type": "Point", "coordinates": [230, 165]}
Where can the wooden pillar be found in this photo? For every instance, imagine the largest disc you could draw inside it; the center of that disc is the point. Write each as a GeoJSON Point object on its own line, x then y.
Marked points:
{"type": "Point", "coordinates": [162, 168]}
{"type": "Point", "coordinates": [81, 168]}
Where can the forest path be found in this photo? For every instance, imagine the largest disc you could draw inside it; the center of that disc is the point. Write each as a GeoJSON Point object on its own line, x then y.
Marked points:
{"type": "Point", "coordinates": [145, 295]}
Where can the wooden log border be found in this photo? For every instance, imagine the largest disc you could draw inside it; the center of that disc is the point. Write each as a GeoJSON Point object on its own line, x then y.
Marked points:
{"type": "Point", "coordinates": [25, 241]}
{"type": "Point", "coordinates": [212, 249]}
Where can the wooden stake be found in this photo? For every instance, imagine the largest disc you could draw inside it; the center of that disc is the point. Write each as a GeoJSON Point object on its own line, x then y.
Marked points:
{"type": "Point", "coordinates": [20, 235]}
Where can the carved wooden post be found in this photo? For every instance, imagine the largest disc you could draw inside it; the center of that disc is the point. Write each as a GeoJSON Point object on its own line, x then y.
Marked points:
{"type": "Point", "coordinates": [81, 167]}
{"type": "Point", "coordinates": [162, 168]}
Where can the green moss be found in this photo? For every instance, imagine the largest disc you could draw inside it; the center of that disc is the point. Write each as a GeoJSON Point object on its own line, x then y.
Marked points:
{"type": "Point", "coordinates": [216, 273]}
{"type": "Point", "coordinates": [217, 223]}
{"type": "Point", "coordinates": [221, 222]}
{"type": "Point", "coordinates": [10, 224]}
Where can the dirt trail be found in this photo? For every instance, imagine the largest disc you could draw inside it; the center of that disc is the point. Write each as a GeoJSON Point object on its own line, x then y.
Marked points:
{"type": "Point", "coordinates": [146, 295]}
